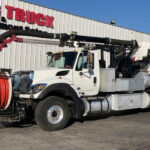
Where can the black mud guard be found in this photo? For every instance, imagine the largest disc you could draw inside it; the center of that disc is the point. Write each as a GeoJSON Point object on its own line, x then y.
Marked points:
{"type": "Point", "coordinates": [69, 91]}
{"type": "Point", "coordinates": [9, 112]}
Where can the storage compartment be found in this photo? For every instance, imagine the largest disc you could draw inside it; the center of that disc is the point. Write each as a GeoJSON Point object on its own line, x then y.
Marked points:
{"type": "Point", "coordinates": [107, 79]}
{"type": "Point", "coordinates": [126, 101]}
{"type": "Point", "coordinates": [129, 84]}
{"type": "Point", "coordinates": [108, 82]}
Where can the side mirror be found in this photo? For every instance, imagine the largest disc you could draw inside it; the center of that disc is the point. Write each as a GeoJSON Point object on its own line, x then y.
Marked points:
{"type": "Point", "coordinates": [90, 58]}
{"type": "Point", "coordinates": [90, 61]}
{"type": "Point", "coordinates": [49, 54]}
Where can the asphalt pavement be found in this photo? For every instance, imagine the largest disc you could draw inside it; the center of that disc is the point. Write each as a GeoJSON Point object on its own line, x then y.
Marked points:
{"type": "Point", "coordinates": [128, 131]}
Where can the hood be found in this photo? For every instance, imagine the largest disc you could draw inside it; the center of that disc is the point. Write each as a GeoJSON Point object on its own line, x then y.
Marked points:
{"type": "Point", "coordinates": [23, 80]}
{"type": "Point", "coordinates": [48, 73]}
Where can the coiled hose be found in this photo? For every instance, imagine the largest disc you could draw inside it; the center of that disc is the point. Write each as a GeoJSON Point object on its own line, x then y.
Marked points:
{"type": "Point", "coordinates": [5, 91]}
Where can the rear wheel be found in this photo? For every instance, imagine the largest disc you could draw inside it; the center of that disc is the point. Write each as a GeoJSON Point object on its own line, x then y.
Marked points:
{"type": "Point", "coordinates": [52, 113]}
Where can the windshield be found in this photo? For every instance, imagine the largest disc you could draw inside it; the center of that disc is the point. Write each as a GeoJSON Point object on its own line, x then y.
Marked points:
{"type": "Point", "coordinates": [62, 60]}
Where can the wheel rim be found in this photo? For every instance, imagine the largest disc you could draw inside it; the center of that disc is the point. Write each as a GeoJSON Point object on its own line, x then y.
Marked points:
{"type": "Point", "coordinates": [55, 114]}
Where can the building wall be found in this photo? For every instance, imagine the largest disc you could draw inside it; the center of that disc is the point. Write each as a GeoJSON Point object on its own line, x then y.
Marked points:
{"type": "Point", "coordinates": [19, 56]}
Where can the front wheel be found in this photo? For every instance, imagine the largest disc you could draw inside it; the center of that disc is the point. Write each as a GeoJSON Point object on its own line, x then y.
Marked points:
{"type": "Point", "coordinates": [52, 113]}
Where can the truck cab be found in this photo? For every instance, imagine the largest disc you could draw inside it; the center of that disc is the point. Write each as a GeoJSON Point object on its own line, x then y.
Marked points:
{"type": "Point", "coordinates": [81, 67]}
{"type": "Point", "coordinates": [73, 68]}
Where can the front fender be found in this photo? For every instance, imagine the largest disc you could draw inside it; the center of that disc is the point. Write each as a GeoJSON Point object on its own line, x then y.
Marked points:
{"type": "Point", "coordinates": [70, 91]}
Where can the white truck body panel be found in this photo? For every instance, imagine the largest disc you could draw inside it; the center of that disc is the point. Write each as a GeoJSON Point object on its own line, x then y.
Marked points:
{"type": "Point", "coordinates": [129, 84]}
{"type": "Point", "coordinates": [111, 84]}
{"type": "Point", "coordinates": [129, 101]}
{"type": "Point", "coordinates": [107, 78]}
{"type": "Point", "coordinates": [126, 101]}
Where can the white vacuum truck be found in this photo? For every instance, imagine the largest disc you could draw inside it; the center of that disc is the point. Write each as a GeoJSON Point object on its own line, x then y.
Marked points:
{"type": "Point", "coordinates": [75, 83]}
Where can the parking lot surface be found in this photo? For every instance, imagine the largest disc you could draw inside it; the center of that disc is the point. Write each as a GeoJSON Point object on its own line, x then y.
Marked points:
{"type": "Point", "coordinates": [126, 131]}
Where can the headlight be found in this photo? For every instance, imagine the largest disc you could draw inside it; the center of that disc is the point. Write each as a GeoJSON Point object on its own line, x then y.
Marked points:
{"type": "Point", "coordinates": [37, 88]}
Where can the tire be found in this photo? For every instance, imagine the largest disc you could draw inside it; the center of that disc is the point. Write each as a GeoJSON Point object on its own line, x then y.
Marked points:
{"type": "Point", "coordinates": [52, 113]}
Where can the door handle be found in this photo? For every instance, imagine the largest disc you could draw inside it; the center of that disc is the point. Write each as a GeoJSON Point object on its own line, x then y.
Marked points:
{"type": "Point", "coordinates": [81, 73]}
{"type": "Point", "coordinates": [95, 80]}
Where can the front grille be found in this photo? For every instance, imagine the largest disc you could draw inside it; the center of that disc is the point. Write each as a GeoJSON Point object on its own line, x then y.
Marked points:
{"type": "Point", "coordinates": [22, 82]}
{"type": "Point", "coordinates": [25, 84]}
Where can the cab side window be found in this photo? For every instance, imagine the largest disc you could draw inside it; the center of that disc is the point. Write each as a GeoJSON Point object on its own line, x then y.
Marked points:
{"type": "Point", "coordinates": [79, 63]}
{"type": "Point", "coordinates": [83, 61]}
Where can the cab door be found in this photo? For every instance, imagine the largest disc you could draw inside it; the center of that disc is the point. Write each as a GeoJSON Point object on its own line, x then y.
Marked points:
{"type": "Point", "coordinates": [85, 75]}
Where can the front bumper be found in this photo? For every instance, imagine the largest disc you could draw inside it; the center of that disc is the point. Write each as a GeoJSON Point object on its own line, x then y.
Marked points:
{"type": "Point", "coordinates": [28, 96]}
{"type": "Point", "coordinates": [18, 95]}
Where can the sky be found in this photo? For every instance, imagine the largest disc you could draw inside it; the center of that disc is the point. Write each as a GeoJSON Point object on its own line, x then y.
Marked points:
{"type": "Point", "coordinates": [132, 14]}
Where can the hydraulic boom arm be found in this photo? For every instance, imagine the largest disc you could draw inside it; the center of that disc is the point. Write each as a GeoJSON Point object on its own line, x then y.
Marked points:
{"type": "Point", "coordinates": [71, 40]}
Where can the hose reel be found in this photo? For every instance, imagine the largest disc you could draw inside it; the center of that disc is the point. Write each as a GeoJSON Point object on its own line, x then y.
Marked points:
{"type": "Point", "coordinates": [5, 90]}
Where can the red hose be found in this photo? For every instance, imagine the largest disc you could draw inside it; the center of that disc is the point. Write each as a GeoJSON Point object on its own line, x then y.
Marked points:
{"type": "Point", "coordinates": [11, 39]}
{"type": "Point", "coordinates": [4, 91]}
